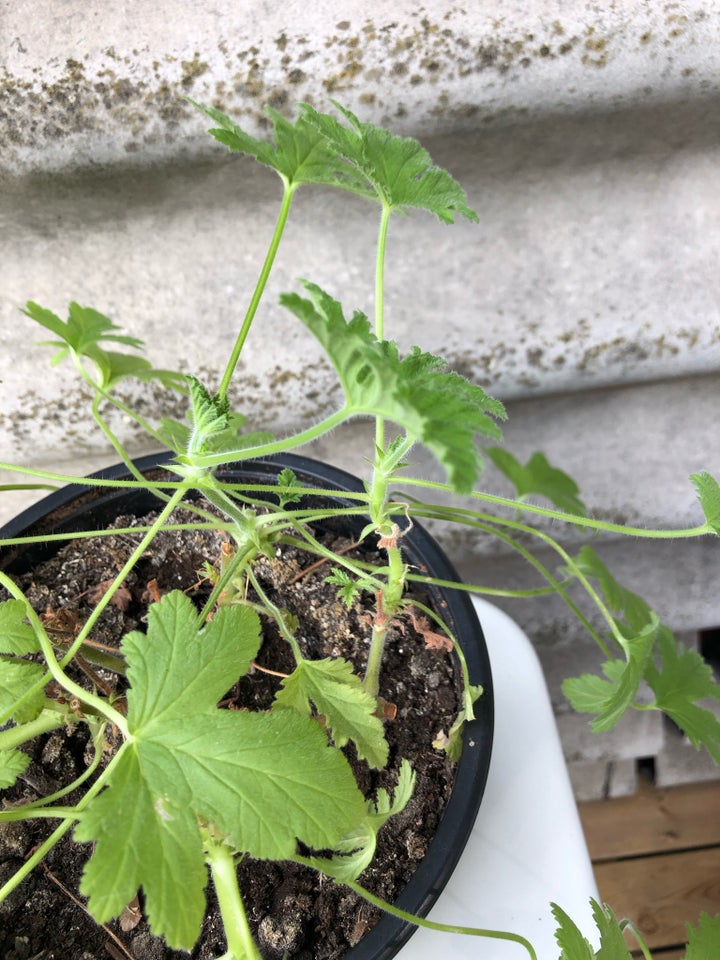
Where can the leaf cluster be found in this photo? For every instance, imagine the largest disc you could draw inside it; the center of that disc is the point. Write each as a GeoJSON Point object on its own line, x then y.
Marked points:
{"type": "Point", "coordinates": [83, 336]}
{"type": "Point", "coordinates": [436, 407]}
{"type": "Point", "coordinates": [676, 675]}
{"type": "Point", "coordinates": [703, 940]}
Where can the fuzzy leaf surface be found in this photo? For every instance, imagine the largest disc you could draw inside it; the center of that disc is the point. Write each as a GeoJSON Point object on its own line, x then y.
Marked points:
{"type": "Point", "coordinates": [638, 627]}
{"type": "Point", "coordinates": [438, 408]}
{"type": "Point", "coordinates": [16, 678]}
{"type": "Point", "coordinates": [12, 764]}
{"type": "Point", "coordinates": [264, 780]}
{"type": "Point", "coordinates": [704, 940]}
{"type": "Point", "coordinates": [16, 635]}
{"type": "Point", "coordinates": [398, 171]}
{"type": "Point", "coordinates": [708, 490]}
{"type": "Point", "coordinates": [537, 476]}
{"type": "Point", "coordinates": [356, 850]}
{"type": "Point", "coordinates": [84, 332]}
{"type": "Point", "coordinates": [298, 152]}
{"type": "Point", "coordinates": [337, 694]}
{"type": "Point", "coordinates": [683, 679]}
{"type": "Point", "coordinates": [573, 944]}
{"type": "Point", "coordinates": [214, 426]}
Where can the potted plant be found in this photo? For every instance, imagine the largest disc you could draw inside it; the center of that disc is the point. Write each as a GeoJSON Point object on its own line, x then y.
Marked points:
{"type": "Point", "coordinates": [225, 728]}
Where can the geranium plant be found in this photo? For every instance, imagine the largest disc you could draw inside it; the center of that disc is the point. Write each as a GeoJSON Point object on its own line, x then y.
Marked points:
{"type": "Point", "coordinates": [191, 785]}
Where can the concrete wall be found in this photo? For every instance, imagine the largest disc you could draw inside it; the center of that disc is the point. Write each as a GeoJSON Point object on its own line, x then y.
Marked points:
{"type": "Point", "coordinates": [588, 297]}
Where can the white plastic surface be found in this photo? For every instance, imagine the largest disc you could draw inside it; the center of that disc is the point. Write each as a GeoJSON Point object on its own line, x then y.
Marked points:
{"type": "Point", "coordinates": [527, 848]}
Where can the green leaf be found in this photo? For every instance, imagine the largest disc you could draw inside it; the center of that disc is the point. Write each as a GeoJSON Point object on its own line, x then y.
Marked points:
{"type": "Point", "coordinates": [637, 627]}
{"type": "Point", "coordinates": [348, 589]}
{"type": "Point", "coordinates": [355, 852]}
{"type": "Point", "coordinates": [264, 780]}
{"type": "Point", "coordinates": [145, 836]}
{"type": "Point", "coordinates": [12, 764]}
{"type": "Point", "coordinates": [17, 677]}
{"type": "Point", "coordinates": [683, 679]}
{"type": "Point", "coordinates": [611, 698]}
{"type": "Point", "coordinates": [398, 170]}
{"type": "Point", "coordinates": [573, 944]}
{"type": "Point", "coordinates": [83, 333]}
{"type": "Point", "coordinates": [299, 153]}
{"type": "Point", "coordinates": [287, 480]}
{"type": "Point", "coordinates": [84, 328]}
{"type": "Point", "coordinates": [537, 476]}
{"type": "Point", "coordinates": [338, 695]}
{"type": "Point", "coordinates": [16, 634]}
{"type": "Point", "coordinates": [634, 612]}
{"type": "Point", "coordinates": [704, 940]}
{"type": "Point", "coordinates": [612, 941]}
{"type": "Point", "coordinates": [438, 408]}
{"type": "Point", "coordinates": [708, 490]}
{"type": "Point", "coordinates": [215, 427]}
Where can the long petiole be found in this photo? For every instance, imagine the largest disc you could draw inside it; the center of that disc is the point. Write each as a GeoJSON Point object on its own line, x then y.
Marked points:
{"type": "Point", "coordinates": [380, 303]}
{"type": "Point", "coordinates": [490, 526]}
{"type": "Point", "coordinates": [221, 861]}
{"type": "Point", "coordinates": [569, 518]}
{"type": "Point", "coordinates": [288, 194]}
{"type": "Point", "coordinates": [431, 924]}
{"type": "Point", "coordinates": [128, 566]}
{"type": "Point", "coordinates": [56, 836]}
{"type": "Point", "coordinates": [278, 617]}
{"type": "Point", "coordinates": [101, 392]}
{"type": "Point", "coordinates": [275, 446]}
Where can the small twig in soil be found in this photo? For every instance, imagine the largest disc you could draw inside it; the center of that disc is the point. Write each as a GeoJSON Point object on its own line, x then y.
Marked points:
{"type": "Point", "coordinates": [92, 676]}
{"type": "Point", "coordinates": [273, 673]}
{"type": "Point", "coordinates": [125, 953]}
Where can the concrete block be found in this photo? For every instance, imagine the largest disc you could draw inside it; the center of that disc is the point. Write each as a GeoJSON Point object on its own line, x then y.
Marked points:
{"type": "Point", "coordinates": [636, 735]}
{"type": "Point", "coordinates": [679, 762]}
{"type": "Point", "coordinates": [603, 781]}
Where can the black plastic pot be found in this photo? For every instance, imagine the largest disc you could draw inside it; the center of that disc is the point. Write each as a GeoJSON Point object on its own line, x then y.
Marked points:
{"type": "Point", "coordinates": [77, 507]}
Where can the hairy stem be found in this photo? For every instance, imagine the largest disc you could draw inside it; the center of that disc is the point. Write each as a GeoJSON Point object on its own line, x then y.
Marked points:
{"type": "Point", "coordinates": [275, 446]}
{"type": "Point", "coordinates": [221, 861]}
{"type": "Point", "coordinates": [569, 518]}
{"type": "Point", "coordinates": [259, 290]}
{"type": "Point", "coordinates": [380, 302]}
{"type": "Point", "coordinates": [47, 720]}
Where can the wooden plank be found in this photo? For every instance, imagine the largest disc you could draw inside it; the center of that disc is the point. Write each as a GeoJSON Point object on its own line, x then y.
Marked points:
{"type": "Point", "coordinates": [652, 821]}
{"type": "Point", "coordinates": [661, 894]}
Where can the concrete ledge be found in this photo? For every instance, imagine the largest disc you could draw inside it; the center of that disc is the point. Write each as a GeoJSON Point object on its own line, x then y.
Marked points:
{"type": "Point", "coordinates": [85, 69]}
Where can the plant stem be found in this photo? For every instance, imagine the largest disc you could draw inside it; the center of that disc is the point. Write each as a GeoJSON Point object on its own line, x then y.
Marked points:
{"type": "Point", "coordinates": [130, 563]}
{"type": "Point", "coordinates": [47, 720]}
{"type": "Point", "coordinates": [442, 927]}
{"type": "Point", "coordinates": [371, 682]}
{"type": "Point", "coordinates": [380, 302]}
{"type": "Point", "coordinates": [570, 518]}
{"type": "Point", "coordinates": [259, 289]}
{"type": "Point", "coordinates": [101, 392]}
{"type": "Point", "coordinates": [277, 615]}
{"type": "Point", "coordinates": [221, 861]}
{"type": "Point", "coordinates": [98, 704]}
{"type": "Point", "coordinates": [275, 446]}
{"type": "Point", "coordinates": [68, 819]}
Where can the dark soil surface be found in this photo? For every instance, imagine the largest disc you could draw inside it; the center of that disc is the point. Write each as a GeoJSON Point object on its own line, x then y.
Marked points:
{"type": "Point", "coordinates": [292, 910]}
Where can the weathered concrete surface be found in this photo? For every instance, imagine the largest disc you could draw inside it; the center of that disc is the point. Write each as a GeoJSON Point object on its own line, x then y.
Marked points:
{"type": "Point", "coordinates": [587, 137]}
{"type": "Point", "coordinates": [77, 69]}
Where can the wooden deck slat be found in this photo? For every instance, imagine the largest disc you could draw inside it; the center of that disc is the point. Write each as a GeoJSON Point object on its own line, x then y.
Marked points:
{"type": "Point", "coordinates": [679, 818]}
{"type": "Point", "coordinates": [662, 893]}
